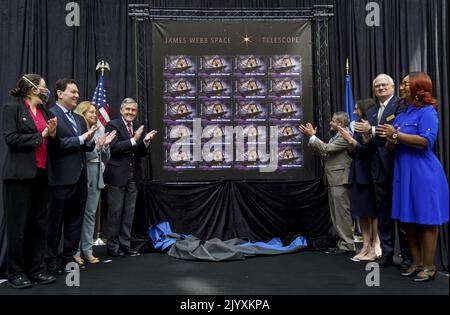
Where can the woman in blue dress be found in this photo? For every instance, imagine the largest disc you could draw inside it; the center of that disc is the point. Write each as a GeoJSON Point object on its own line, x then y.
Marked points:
{"type": "Point", "coordinates": [420, 188]}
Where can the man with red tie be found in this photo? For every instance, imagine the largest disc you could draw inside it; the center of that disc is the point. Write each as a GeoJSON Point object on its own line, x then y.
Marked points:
{"type": "Point", "coordinates": [122, 176]}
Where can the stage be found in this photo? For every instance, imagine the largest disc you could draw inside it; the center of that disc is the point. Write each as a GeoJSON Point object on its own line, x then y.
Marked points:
{"type": "Point", "coordinates": [304, 273]}
{"type": "Point", "coordinates": [199, 73]}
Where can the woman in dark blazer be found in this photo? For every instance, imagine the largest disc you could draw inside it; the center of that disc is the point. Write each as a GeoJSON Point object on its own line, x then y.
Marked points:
{"type": "Point", "coordinates": [27, 126]}
{"type": "Point", "coordinates": [362, 198]}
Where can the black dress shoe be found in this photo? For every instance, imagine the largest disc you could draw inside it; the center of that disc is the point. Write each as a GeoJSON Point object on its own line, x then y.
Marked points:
{"type": "Point", "coordinates": [385, 261]}
{"type": "Point", "coordinates": [129, 251]}
{"type": "Point", "coordinates": [405, 264]}
{"type": "Point", "coordinates": [331, 250]}
{"type": "Point", "coordinates": [21, 282]}
{"type": "Point", "coordinates": [42, 278]}
{"type": "Point", "coordinates": [339, 251]}
{"type": "Point", "coordinates": [115, 253]}
{"type": "Point", "coordinates": [343, 252]}
{"type": "Point", "coordinates": [55, 269]}
{"type": "Point", "coordinates": [82, 266]}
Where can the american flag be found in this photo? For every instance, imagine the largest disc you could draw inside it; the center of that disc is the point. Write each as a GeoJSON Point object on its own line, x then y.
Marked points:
{"type": "Point", "coordinates": [101, 102]}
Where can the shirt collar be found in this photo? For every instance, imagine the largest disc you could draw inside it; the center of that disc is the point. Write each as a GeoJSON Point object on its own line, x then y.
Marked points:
{"type": "Point", "coordinates": [126, 123]}
{"type": "Point", "coordinates": [65, 110]}
{"type": "Point", "coordinates": [27, 104]}
{"type": "Point", "coordinates": [387, 101]}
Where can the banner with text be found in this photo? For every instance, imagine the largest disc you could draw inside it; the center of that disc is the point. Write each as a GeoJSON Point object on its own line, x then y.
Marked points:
{"type": "Point", "coordinates": [228, 98]}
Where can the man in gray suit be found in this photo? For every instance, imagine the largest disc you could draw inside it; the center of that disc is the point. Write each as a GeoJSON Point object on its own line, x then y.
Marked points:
{"type": "Point", "coordinates": [337, 168]}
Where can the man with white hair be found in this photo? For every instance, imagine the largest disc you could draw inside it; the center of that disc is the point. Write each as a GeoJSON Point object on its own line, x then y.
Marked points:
{"type": "Point", "coordinates": [382, 166]}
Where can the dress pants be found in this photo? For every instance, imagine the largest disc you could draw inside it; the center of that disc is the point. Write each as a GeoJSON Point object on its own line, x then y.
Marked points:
{"type": "Point", "coordinates": [66, 206]}
{"type": "Point", "coordinates": [93, 196]}
{"type": "Point", "coordinates": [119, 220]}
{"type": "Point", "coordinates": [339, 201]}
{"type": "Point", "coordinates": [386, 225]}
{"type": "Point", "coordinates": [25, 204]}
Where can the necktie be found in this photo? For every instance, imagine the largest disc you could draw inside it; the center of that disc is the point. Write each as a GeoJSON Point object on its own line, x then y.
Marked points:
{"type": "Point", "coordinates": [380, 112]}
{"type": "Point", "coordinates": [72, 121]}
{"type": "Point", "coordinates": [130, 130]}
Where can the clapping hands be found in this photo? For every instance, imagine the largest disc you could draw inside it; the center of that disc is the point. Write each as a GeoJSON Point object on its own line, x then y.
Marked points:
{"type": "Point", "coordinates": [308, 130]}
{"type": "Point", "coordinates": [346, 135]}
{"type": "Point", "coordinates": [362, 126]}
{"type": "Point", "coordinates": [150, 136]}
{"type": "Point", "coordinates": [50, 129]}
{"type": "Point", "coordinates": [110, 136]}
{"type": "Point", "coordinates": [105, 140]}
{"type": "Point", "coordinates": [87, 136]}
{"type": "Point", "coordinates": [138, 133]}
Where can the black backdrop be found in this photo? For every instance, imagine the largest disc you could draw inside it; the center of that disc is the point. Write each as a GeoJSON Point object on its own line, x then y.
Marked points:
{"type": "Point", "coordinates": [414, 35]}
{"type": "Point", "coordinates": [253, 210]}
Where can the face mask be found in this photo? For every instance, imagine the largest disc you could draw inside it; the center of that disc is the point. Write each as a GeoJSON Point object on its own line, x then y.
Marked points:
{"type": "Point", "coordinates": [44, 95]}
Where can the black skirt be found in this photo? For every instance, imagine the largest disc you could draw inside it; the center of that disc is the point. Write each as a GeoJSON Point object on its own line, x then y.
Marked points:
{"type": "Point", "coordinates": [362, 201]}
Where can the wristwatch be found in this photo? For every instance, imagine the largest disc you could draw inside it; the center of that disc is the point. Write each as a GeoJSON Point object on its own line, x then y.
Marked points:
{"type": "Point", "coordinates": [395, 135]}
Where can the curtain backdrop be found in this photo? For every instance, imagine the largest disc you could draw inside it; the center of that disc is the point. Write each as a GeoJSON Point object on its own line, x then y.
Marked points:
{"type": "Point", "coordinates": [254, 210]}
{"type": "Point", "coordinates": [414, 35]}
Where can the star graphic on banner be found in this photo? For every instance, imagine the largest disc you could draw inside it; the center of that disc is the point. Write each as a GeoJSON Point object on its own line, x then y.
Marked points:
{"type": "Point", "coordinates": [246, 39]}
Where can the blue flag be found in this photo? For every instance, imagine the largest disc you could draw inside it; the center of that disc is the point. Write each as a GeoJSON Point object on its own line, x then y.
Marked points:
{"type": "Point", "coordinates": [349, 100]}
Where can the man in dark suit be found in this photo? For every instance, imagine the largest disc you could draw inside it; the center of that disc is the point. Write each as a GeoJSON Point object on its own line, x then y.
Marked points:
{"type": "Point", "coordinates": [67, 177]}
{"type": "Point", "coordinates": [382, 167]}
{"type": "Point", "coordinates": [122, 176]}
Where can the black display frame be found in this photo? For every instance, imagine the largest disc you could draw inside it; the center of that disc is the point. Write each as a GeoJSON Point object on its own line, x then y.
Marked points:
{"type": "Point", "coordinates": [142, 14]}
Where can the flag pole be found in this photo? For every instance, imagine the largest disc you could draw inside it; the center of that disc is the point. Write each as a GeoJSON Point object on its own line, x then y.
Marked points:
{"type": "Point", "coordinates": [356, 229]}
{"type": "Point", "coordinates": [99, 241]}
{"type": "Point", "coordinates": [102, 65]}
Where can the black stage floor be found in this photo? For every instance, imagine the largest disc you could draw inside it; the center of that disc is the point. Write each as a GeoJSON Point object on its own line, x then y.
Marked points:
{"type": "Point", "coordinates": [304, 273]}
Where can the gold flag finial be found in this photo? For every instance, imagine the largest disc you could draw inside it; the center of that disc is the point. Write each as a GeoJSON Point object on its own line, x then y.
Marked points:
{"type": "Point", "coordinates": [347, 67]}
{"type": "Point", "coordinates": [103, 65]}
